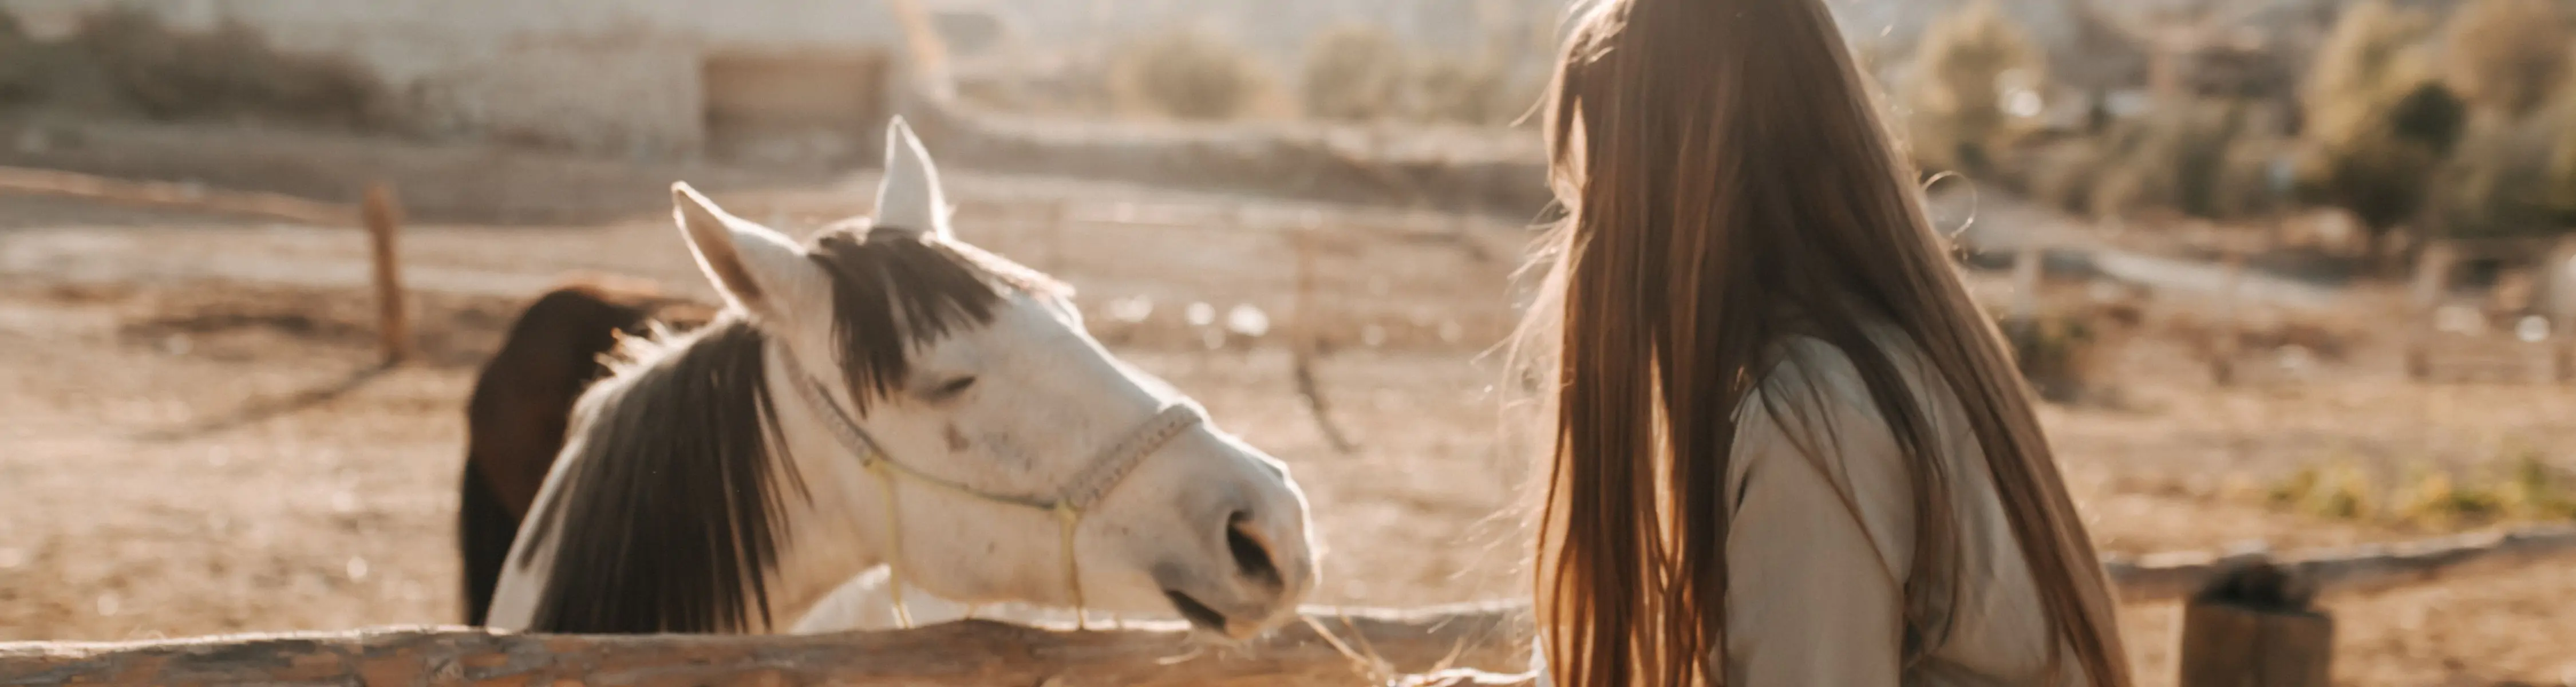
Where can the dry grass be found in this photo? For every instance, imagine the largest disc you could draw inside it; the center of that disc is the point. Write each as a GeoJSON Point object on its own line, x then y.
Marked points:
{"type": "Point", "coordinates": [124, 59]}
{"type": "Point", "coordinates": [1190, 74]}
{"type": "Point", "coordinates": [2065, 351]}
{"type": "Point", "coordinates": [2506, 56]}
{"type": "Point", "coordinates": [1468, 90]}
{"type": "Point", "coordinates": [1363, 73]}
{"type": "Point", "coordinates": [2528, 489]}
{"type": "Point", "coordinates": [1356, 73]}
{"type": "Point", "coordinates": [2201, 159]}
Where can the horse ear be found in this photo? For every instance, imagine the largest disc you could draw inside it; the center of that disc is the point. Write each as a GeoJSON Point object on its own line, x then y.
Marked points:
{"type": "Point", "coordinates": [909, 199]}
{"type": "Point", "coordinates": [753, 266]}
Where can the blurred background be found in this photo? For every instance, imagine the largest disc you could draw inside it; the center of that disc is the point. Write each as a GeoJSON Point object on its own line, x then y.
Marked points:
{"type": "Point", "coordinates": [2292, 273]}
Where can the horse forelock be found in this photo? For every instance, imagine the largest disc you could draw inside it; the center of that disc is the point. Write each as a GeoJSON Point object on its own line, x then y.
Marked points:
{"type": "Point", "coordinates": [895, 292]}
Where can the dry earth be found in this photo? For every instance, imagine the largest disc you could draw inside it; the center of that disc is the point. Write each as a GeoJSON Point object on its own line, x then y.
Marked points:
{"type": "Point", "coordinates": [194, 438]}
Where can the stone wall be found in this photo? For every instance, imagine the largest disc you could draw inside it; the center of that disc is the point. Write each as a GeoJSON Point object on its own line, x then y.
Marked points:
{"type": "Point", "coordinates": [620, 77]}
{"type": "Point", "coordinates": [1496, 172]}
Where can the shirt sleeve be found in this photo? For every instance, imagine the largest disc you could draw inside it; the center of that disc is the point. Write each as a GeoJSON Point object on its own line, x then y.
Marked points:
{"type": "Point", "coordinates": [1820, 535]}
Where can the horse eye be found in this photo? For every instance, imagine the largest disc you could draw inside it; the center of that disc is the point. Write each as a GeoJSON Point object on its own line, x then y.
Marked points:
{"type": "Point", "coordinates": [952, 388]}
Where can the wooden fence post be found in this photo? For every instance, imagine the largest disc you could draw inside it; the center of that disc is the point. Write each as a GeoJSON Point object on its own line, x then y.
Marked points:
{"type": "Point", "coordinates": [2231, 321]}
{"type": "Point", "coordinates": [2256, 627]}
{"type": "Point", "coordinates": [1302, 336]}
{"type": "Point", "coordinates": [382, 215]}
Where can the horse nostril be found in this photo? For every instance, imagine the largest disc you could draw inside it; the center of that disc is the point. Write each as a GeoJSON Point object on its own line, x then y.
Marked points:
{"type": "Point", "coordinates": [1250, 555]}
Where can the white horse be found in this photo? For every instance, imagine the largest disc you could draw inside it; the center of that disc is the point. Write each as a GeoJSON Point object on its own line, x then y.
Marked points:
{"type": "Point", "coordinates": [885, 395]}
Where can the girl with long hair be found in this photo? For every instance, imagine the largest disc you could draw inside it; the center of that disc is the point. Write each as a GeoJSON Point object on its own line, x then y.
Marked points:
{"type": "Point", "coordinates": [1788, 448]}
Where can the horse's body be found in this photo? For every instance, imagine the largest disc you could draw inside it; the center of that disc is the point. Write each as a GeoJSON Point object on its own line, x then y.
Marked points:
{"type": "Point", "coordinates": [522, 403]}
{"type": "Point", "coordinates": [887, 396]}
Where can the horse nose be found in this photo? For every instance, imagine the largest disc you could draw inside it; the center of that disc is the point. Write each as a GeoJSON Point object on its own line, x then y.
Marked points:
{"type": "Point", "coordinates": [1251, 550]}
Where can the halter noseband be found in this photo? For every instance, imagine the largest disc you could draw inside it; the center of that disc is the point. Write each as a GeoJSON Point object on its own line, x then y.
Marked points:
{"type": "Point", "coordinates": [1106, 470]}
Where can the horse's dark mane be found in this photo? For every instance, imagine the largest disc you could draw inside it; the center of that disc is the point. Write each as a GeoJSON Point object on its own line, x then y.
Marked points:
{"type": "Point", "coordinates": [672, 519]}
{"type": "Point", "coordinates": [516, 418]}
{"type": "Point", "coordinates": [944, 286]}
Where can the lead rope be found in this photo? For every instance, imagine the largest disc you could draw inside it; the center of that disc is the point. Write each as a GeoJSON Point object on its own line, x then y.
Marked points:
{"type": "Point", "coordinates": [1106, 472]}
{"type": "Point", "coordinates": [894, 538]}
{"type": "Point", "coordinates": [1067, 518]}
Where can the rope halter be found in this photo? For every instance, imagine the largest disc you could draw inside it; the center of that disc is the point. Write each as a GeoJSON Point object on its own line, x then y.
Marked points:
{"type": "Point", "coordinates": [1107, 468]}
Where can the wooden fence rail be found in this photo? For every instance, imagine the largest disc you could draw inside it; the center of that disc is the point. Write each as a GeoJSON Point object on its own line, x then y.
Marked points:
{"type": "Point", "coordinates": [175, 196]}
{"type": "Point", "coordinates": [380, 213]}
{"type": "Point", "coordinates": [1385, 643]}
{"type": "Point", "coordinates": [962, 653]}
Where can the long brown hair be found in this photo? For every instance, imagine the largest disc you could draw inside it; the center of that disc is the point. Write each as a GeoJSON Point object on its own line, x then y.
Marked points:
{"type": "Point", "coordinates": [1722, 162]}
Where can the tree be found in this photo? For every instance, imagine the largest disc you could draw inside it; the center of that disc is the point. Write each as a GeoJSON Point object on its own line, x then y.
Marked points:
{"type": "Point", "coordinates": [1973, 69]}
{"type": "Point", "coordinates": [2382, 124]}
{"type": "Point", "coordinates": [2506, 56]}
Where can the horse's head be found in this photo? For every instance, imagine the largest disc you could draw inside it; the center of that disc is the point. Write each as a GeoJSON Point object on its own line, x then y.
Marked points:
{"type": "Point", "coordinates": [964, 388]}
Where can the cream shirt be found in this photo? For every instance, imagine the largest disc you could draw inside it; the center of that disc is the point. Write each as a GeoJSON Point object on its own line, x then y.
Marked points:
{"type": "Point", "coordinates": [1815, 594]}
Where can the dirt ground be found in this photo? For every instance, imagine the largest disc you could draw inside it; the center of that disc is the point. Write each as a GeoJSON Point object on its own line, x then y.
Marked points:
{"type": "Point", "coordinates": [195, 438]}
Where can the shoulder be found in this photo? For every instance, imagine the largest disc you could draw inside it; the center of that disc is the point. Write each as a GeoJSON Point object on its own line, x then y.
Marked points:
{"type": "Point", "coordinates": [1814, 386]}
{"type": "Point", "coordinates": [1810, 425]}
{"type": "Point", "coordinates": [1807, 387]}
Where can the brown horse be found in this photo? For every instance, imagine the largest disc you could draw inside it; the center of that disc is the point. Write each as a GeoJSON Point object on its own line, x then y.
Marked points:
{"type": "Point", "coordinates": [522, 402]}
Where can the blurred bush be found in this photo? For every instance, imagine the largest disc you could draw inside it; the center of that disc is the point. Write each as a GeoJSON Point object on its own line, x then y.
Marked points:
{"type": "Point", "coordinates": [122, 59]}
{"type": "Point", "coordinates": [2068, 173]}
{"type": "Point", "coordinates": [17, 76]}
{"type": "Point", "coordinates": [1355, 72]}
{"type": "Point", "coordinates": [2514, 173]}
{"type": "Point", "coordinates": [1469, 91]}
{"type": "Point", "coordinates": [2506, 56]}
{"type": "Point", "coordinates": [2066, 354]}
{"type": "Point", "coordinates": [231, 71]}
{"type": "Point", "coordinates": [2380, 123]}
{"type": "Point", "coordinates": [2503, 180]}
{"type": "Point", "coordinates": [1976, 77]}
{"type": "Point", "coordinates": [2199, 158]}
{"type": "Point", "coordinates": [2430, 497]}
{"type": "Point", "coordinates": [2343, 491]}
{"type": "Point", "coordinates": [1363, 73]}
{"type": "Point", "coordinates": [1189, 74]}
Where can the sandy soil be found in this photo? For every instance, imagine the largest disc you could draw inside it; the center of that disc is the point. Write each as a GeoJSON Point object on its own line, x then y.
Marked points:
{"type": "Point", "coordinates": [194, 437]}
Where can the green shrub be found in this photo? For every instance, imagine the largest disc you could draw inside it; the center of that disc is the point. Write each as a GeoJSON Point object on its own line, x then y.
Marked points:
{"type": "Point", "coordinates": [2342, 492]}
{"type": "Point", "coordinates": [2436, 500]}
{"type": "Point", "coordinates": [2506, 56]}
{"type": "Point", "coordinates": [1189, 75]}
{"type": "Point", "coordinates": [2429, 497]}
{"type": "Point", "coordinates": [2533, 490]}
{"type": "Point", "coordinates": [1966, 66]}
{"type": "Point", "coordinates": [1355, 72]}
